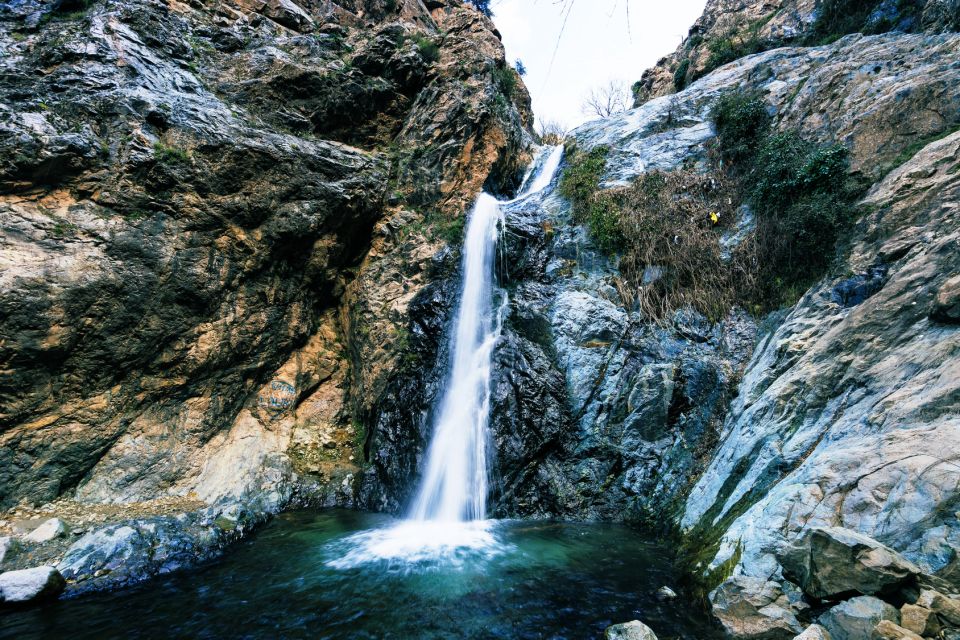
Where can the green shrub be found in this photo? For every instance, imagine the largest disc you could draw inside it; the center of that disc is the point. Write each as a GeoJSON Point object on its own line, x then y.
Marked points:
{"type": "Point", "coordinates": [801, 192]}
{"type": "Point", "coordinates": [506, 79]}
{"type": "Point", "coordinates": [582, 174]}
{"type": "Point", "coordinates": [168, 154]}
{"type": "Point", "coordinates": [724, 50]}
{"type": "Point", "coordinates": [741, 121]}
{"type": "Point", "coordinates": [429, 49]}
{"type": "Point", "coordinates": [680, 75]}
{"type": "Point", "coordinates": [837, 18]}
{"type": "Point", "coordinates": [803, 197]}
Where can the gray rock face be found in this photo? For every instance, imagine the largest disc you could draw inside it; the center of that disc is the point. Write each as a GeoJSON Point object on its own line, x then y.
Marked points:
{"type": "Point", "coordinates": [830, 562]}
{"type": "Point", "coordinates": [52, 528]}
{"type": "Point", "coordinates": [596, 413]}
{"type": "Point", "coordinates": [754, 608]}
{"type": "Point", "coordinates": [856, 618]}
{"type": "Point", "coordinates": [634, 630]}
{"type": "Point", "coordinates": [30, 585]}
{"type": "Point", "coordinates": [829, 93]}
{"type": "Point", "coordinates": [755, 25]}
{"type": "Point", "coordinates": [846, 415]}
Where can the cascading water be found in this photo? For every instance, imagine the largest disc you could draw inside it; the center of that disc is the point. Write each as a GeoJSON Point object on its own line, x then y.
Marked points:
{"type": "Point", "coordinates": [449, 509]}
{"type": "Point", "coordinates": [454, 487]}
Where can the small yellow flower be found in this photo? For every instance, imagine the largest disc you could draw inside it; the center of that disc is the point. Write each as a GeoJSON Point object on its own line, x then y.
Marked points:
{"type": "Point", "coordinates": [714, 217]}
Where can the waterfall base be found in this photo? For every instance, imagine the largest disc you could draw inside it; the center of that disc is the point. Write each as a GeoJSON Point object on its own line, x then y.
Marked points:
{"type": "Point", "coordinates": [557, 581]}
{"type": "Point", "coordinates": [419, 544]}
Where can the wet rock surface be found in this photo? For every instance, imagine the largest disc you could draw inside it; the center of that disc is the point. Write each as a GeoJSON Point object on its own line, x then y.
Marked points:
{"type": "Point", "coordinates": [845, 414]}
{"type": "Point", "coordinates": [596, 413]}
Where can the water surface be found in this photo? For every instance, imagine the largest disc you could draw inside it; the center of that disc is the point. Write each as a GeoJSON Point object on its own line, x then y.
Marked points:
{"type": "Point", "coordinates": [296, 579]}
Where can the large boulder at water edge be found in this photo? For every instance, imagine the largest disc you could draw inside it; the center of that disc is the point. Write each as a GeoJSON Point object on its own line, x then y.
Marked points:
{"type": "Point", "coordinates": [634, 630]}
{"type": "Point", "coordinates": [828, 562]}
{"type": "Point", "coordinates": [754, 608]}
{"type": "Point", "coordinates": [30, 585]}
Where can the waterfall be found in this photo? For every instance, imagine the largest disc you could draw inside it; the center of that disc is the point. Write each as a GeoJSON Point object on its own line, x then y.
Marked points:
{"type": "Point", "coordinates": [454, 486]}
{"type": "Point", "coordinates": [447, 516]}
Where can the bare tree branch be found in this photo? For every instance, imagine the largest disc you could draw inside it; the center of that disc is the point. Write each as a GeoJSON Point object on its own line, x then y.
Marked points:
{"type": "Point", "coordinates": [607, 100]}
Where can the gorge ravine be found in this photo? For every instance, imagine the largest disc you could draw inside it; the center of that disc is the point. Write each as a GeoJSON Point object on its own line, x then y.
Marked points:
{"type": "Point", "coordinates": [219, 288]}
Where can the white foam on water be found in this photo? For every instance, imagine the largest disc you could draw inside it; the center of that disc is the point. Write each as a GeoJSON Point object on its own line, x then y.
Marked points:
{"type": "Point", "coordinates": [419, 543]}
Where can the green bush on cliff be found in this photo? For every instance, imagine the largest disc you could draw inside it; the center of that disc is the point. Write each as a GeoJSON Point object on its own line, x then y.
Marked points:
{"type": "Point", "coordinates": [429, 50]}
{"type": "Point", "coordinates": [742, 122]}
{"type": "Point", "coordinates": [837, 18]}
{"type": "Point", "coordinates": [801, 192]}
{"type": "Point", "coordinates": [580, 184]}
{"type": "Point", "coordinates": [680, 75]}
{"type": "Point", "coordinates": [505, 78]}
{"type": "Point", "coordinates": [169, 154]}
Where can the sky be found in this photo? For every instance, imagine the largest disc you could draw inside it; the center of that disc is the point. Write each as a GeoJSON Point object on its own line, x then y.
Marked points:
{"type": "Point", "coordinates": [596, 46]}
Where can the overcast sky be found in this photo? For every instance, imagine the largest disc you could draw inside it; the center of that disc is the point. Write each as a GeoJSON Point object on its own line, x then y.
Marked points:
{"type": "Point", "coordinates": [596, 46]}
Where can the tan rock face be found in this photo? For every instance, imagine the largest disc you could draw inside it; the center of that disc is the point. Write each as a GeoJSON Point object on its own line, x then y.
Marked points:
{"type": "Point", "coordinates": [946, 608]}
{"type": "Point", "coordinates": [919, 620]}
{"type": "Point", "coordinates": [886, 630]}
{"type": "Point", "coordinates": [182, 220]}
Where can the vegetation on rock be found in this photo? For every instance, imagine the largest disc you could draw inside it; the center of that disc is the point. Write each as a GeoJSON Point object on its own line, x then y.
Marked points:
{"type": "Point", "coordinates": [667, 226]}
{"type": "Point", "coordinates": [801, 193]}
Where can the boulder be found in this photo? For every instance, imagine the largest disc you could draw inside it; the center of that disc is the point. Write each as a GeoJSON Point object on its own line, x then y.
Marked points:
{"type": "Point", "coordinates": [634, 630]}
{"type": "Point", "coordinates": [30, 585]}
{"type": "Point", "coordinates": [886, 630]}
{"type": "Point", "coordinates": [289, 14]}
{"type": "Point", "coordinates": [753, 608]}
{"type": "Point", "coordinates": [47, 531]}
{"type": "Point", "coordinates": [946, 608]}
{"type": "Point", "coordinates": [946, 307]}
{"type": "Point", "coordinates": [832, 562]}
{"type": "Point", "coordinates": [919, 619]}
{"type": "Point", "coordinates": [856, 618]}
{"type": "Point", "coordinates": [666, 593]}
{"type": "Point", "coordinates": [8, 547]}
{"type": "Point", "coordinates": [814, 632]}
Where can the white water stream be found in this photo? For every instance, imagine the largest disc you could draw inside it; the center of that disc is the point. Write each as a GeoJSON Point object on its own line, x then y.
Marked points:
{"type": "Point", "coordinates": [449, 510]}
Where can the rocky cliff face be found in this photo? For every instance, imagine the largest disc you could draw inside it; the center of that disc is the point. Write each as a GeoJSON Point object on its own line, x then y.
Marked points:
{"type": "Point", "coordinates": [196, 202]}
{"type": "Point", "coordinates": [846, 413]}
{"type": "Point", "coordinates": [731, 29]}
